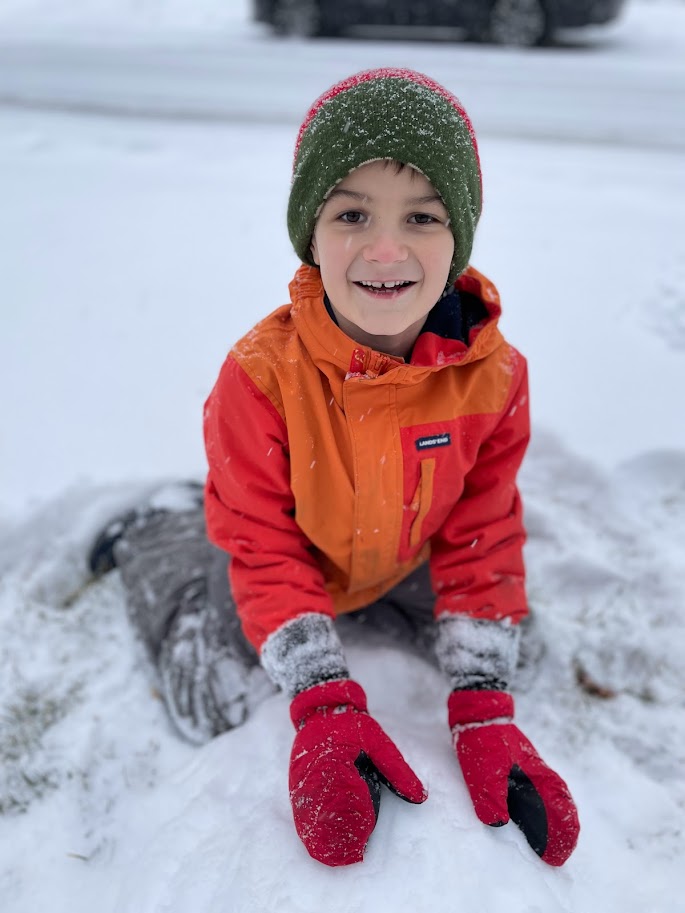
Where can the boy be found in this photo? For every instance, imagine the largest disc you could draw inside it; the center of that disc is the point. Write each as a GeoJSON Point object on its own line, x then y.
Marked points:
{"type": "Point", "coordinates": [363, 443]}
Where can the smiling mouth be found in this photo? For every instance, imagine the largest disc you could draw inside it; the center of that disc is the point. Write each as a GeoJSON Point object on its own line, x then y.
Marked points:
{"type": "Point", "coordinates": [389, 289]}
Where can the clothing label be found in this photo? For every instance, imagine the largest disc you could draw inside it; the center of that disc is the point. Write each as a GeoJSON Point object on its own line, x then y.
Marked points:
{"type": "Point", "coordinates": [436, 440]}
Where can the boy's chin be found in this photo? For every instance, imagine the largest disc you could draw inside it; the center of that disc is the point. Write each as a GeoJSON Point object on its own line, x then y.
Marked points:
{"type": "Point", "coordinates": [388, 323]}
{"type": "Point", "coordinates": [385, 331]}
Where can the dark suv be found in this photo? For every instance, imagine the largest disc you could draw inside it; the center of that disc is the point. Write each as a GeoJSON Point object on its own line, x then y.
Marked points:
{"type": "Point", "coordinates": [512, 22]}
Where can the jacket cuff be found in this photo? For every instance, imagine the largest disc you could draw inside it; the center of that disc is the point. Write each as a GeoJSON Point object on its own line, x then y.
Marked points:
{"type": "Point", "coordinates": [474, 708]}
{"type": "Point", "coordinates": [476, 654]}
{"type": "Point", "coordinates": [304, 652]}
{"type": "Point", "coordinates": [327, 697]}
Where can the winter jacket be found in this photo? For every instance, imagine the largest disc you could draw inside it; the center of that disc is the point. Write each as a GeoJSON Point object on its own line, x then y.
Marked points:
{"type": "Point", "coordinates": [335, 470]}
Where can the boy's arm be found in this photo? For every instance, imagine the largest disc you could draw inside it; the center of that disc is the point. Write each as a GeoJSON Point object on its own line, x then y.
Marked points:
{"type": "Point", "coordinates": [476, 559]}
{"type": "Point", "coordinates": [340, 754]}
{"type": "Point", "coordinates": [284, 608]}
{"type": "Point", "coordinates": [478, 575]}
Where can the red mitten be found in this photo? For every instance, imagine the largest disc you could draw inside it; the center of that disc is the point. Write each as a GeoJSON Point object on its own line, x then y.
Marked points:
{"type": "Point", "coordinates": [339, 759]}
{"type": "Point", "coordinates": [506, 777]}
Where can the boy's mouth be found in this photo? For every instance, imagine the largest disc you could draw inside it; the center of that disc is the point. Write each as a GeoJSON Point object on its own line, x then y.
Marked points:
{"type": "Point", "coordinates": [390, 289]}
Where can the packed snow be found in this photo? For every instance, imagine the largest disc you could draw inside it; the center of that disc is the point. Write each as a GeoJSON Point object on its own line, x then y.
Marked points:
{"type": "Point", "coordinates": [132, 253]}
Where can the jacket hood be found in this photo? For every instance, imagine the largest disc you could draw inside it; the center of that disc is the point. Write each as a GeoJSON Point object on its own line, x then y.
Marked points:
{"type": "Point", "coordinates": [459, 330]}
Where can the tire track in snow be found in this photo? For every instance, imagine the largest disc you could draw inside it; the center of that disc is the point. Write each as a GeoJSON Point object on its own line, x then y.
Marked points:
{"type": "Point", "coordinates": [112, 109]}
{"type": "Point", "coordinates": [587, 97]}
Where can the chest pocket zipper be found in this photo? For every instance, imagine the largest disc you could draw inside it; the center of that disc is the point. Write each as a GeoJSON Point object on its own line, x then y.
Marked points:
{"type": "Point", "coordinates": [422, 500]}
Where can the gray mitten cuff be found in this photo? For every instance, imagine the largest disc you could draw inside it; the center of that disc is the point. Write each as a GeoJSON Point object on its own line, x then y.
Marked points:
{"type": "Point", "coordinates": [477, 654]}
{"type": "Point", "coordinates": [304, 652]}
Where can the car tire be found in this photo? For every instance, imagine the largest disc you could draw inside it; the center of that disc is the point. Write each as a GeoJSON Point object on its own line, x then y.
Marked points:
{"type": "Point", "coordinates": [519, 23]}
{"type": "Point", "coordinates": [299, 19]}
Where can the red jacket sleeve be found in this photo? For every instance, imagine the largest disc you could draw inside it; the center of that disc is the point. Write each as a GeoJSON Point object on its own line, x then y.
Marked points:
{"type": "Point", "coordinates": [250, 508]}
{"type": "Point", "coordinates": [477, 557]}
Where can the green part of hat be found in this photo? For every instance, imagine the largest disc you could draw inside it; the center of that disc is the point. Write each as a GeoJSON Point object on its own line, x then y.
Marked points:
{"type": "Point", "coordinates": [387, 114]}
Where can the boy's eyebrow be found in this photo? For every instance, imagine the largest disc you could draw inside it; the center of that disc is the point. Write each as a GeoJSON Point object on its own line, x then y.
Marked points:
{"type": "Point", "coordinates": [367, 198]}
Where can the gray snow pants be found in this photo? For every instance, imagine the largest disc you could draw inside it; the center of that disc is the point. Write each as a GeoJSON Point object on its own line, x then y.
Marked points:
{"type": "Point", "coordinates": [179, 600]}
{"type": "Point", "coordinates": [165, 559]}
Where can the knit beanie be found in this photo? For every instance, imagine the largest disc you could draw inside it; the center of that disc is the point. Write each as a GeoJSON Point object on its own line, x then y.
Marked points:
{"type": "Point", "coordinates": [387, 114]}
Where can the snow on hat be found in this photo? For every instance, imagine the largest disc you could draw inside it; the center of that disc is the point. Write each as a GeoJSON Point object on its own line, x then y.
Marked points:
{"type": "Point", "coordinates": [387, 114]}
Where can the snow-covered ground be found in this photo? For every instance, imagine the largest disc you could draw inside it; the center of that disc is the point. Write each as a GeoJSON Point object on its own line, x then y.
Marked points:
{"type": "Point", "coordinates": [132, 253]}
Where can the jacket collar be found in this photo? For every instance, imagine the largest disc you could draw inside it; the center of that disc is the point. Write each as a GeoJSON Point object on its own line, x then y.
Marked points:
{"type": "Point", "coordinates": [449, 336]}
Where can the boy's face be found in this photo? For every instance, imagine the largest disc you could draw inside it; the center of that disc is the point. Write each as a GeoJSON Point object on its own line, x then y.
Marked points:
{"type": "Point", "coordinates": [378, 226]}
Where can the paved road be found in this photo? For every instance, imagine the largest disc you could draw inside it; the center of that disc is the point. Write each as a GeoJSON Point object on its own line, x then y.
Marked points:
{"type": "Point", "coordinates": [587, 94]}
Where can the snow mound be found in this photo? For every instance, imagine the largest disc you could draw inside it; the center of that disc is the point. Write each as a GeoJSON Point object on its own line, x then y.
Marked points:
{"type": "Point", "coordinates": [99, 796]}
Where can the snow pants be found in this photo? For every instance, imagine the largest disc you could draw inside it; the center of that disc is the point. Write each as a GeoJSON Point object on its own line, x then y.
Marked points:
{"type": "Point", "coordinates": [180, 602]}
{"type": "Point", "coordinates": [163, 556]}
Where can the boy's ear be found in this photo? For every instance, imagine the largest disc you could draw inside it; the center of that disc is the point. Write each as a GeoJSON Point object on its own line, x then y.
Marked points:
{"type": "Point", "coordinates": [314, 252]}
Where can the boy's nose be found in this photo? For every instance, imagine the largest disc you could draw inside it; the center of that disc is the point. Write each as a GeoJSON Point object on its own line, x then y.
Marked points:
{"type": "Point", "coordinates": [385, 247]}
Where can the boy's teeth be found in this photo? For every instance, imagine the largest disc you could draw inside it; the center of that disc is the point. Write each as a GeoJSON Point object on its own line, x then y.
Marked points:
{"type": "Point", "coordinates": [383, 284]}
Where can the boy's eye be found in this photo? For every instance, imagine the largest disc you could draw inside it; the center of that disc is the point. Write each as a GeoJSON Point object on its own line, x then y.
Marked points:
{"type": "Point", "coordinates": [352, 217]}
{"type": "Point", "coordinates": [422, 218]}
